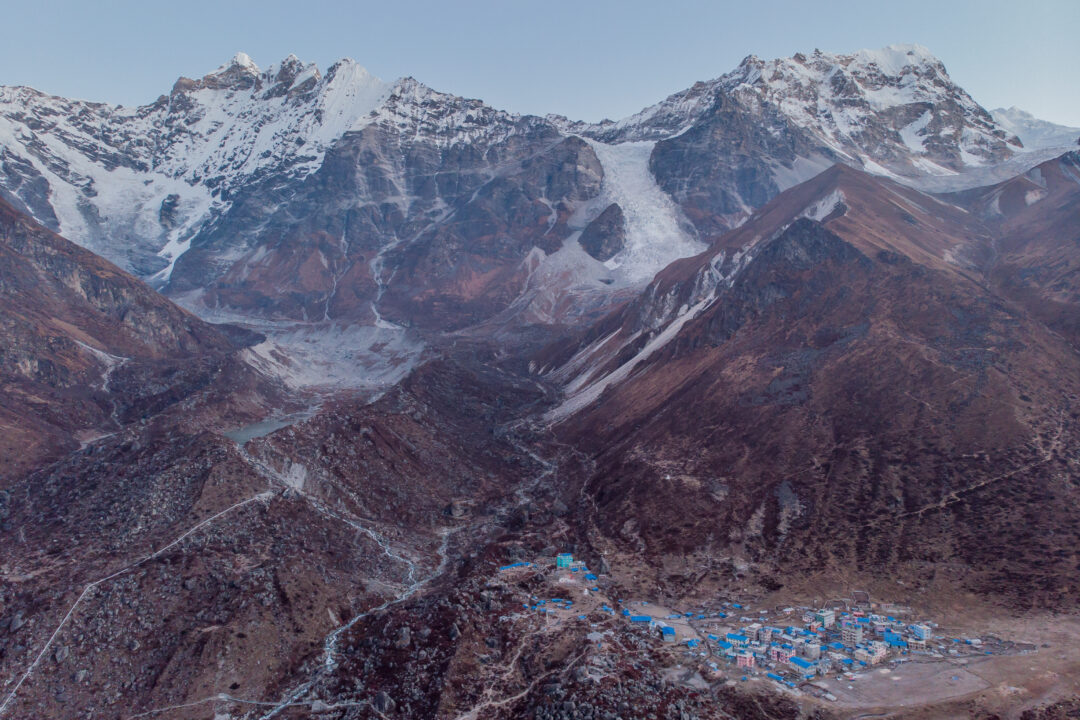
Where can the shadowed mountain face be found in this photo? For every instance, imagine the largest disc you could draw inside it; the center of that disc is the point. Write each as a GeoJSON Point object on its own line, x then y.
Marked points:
{"type": "Point", "coordinates": [83, 341]}
{"type": "Point", "coordinates": [833, 397]}
{"type": "Point", "coordinates": [1036, 261]}
{"type": "Point", "coordinates": [285, 194]}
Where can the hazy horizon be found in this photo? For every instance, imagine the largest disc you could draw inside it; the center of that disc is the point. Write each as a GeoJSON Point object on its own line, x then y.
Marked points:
{"type": "Point", "coordinates": [588, 62]}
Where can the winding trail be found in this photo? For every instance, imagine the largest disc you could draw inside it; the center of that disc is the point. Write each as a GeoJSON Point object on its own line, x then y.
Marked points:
{"type": "Point", "coordinates": [410, 587]}
{"type": "Point", "coordinates": [263, 496]}
{"type": "Point", "coordinates": [299, 696]}
{"type": "Point", "coordinates": [289, 481]}
{"type": "Point", "coordinates": [954, 496]}
{"type": "Point", "coordinates": [227, 698]}
{"type": "Point", "coordinates": [488, 702]}
{"type": "Point", "coordinates": [488, 699]}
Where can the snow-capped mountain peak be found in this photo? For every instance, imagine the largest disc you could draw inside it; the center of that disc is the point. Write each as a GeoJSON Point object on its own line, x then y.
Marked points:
{"type": "Point", "coordinates": [131, 183]}
{"type": "Point", "coordinates": [895, 59]}
{"type": "Point", "coordinates": [239, 72]}
{"type": "Point", "coordinates": [892, 111]}
{"type": "Point", "coordinates": [1036, 134]}
{"type": "Point", "coordinates": [231, 162]}
{"type": "Point", "coordinates": [861, 104]}
{"type": "Point", "coordinates": [243, 61]}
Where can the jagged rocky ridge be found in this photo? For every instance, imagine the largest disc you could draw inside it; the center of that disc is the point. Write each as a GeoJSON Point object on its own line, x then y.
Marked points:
{"type": "Point", "coordinates": [288, 194]}
{"type": "Point", "coordinates": [859, 376]}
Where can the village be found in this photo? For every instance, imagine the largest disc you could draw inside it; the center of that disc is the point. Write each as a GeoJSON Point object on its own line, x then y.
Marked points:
{"type": "Point", "coordinates": [853, 651]}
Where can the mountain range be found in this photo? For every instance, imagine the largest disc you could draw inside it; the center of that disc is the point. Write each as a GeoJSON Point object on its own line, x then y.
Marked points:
{"type": "Point", "coordinates": [245, 176]}
{"type": "Point", "coordinates": [294, 360]}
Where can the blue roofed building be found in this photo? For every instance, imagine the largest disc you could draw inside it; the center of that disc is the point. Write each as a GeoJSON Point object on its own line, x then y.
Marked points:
{"type": "Point", "coordinates": [894, 639]}
{"type": "Point", "coordinates": [806, 669]}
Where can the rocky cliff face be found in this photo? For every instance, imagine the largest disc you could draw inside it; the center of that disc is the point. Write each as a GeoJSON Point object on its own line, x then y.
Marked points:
{"type": "Point", "coordinates": [377, 226]}
{"type": "Point", "coordinates": [74, 328]}
{"type": "Point", "coordinates": [292, 195]}
{"type": "Point", "coordinates": [606, 235]}
{"type": "Point", "coordinates": [749, 403]}
{"type": "Point", "coordinates": [727, 146]}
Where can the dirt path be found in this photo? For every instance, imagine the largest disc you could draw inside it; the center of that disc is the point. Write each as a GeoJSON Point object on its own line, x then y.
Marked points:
{"type": "Point", "coordinates": [299, 695]}
{"type": "Point", "coordinates": [954, 496]}
{"type": "Point", "coordinates": [489, 702]}
{"type": "Point", "coordinates": [263, 496]}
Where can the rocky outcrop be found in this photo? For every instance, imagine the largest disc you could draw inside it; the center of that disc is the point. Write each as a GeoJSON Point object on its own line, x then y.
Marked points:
{"type": "Point", "coordinates": [725, 166]}
{"type": "Point", "coordinates": [604, 237]}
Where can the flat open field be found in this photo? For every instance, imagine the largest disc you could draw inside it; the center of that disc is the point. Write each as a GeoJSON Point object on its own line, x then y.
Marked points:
{"type": "Point", "coordinates": [916, 683]}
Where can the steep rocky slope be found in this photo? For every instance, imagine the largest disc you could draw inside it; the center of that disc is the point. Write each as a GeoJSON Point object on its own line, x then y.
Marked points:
{"type": "Point", "coordinates": [1036, 259]}
{"type": "Point", "coordinates": [825, 392]}
{"type": "Point", "coordinates": [85, 345]}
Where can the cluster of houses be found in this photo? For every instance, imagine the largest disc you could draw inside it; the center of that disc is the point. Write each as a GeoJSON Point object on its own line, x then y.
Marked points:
{"type": "Point", "coordinates": [563, 561]}
{"type": "Point", "coordinates": [828, 642]}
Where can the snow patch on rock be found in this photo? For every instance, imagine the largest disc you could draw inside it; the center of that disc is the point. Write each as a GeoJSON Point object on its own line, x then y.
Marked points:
{"type": "Point", "coordinates": [1036, 134]}
{"type": "Point", "coordinates": [583, 394]}
{"type": "Point", "coordinates": [656, 233]}
{"type": "Point", "coordinates": [824, 207]}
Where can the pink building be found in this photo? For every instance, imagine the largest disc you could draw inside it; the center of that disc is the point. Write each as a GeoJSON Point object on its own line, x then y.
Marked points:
{"type": "Point", "coordinates": [745, 660]}
{"type": "Point", "coordinates": [781, 654]}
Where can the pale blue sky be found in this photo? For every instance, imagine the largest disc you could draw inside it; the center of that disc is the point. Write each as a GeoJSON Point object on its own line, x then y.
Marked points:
{"type": "Point", "coordinates": [584, 59]}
